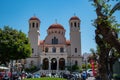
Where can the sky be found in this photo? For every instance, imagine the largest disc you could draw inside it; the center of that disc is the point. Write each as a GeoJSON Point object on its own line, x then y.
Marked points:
{"type": "Point", "coordinates": [16, 13]}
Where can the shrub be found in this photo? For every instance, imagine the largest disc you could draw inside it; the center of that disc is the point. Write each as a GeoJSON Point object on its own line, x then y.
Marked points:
{"type": "Point", "coordinates": [31, 69]}
{"type": "Point", "coordinates": [116, 76]}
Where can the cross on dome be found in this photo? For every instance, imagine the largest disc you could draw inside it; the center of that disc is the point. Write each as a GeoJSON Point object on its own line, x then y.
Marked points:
{"type": "Point", "coordinates": [56, 21]}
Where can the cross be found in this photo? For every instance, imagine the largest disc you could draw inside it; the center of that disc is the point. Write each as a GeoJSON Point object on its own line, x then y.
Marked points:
{"type": "Point", "coordinates": [56, 21]}
{"type": "Point", "coordinates": [74, 14]}
{"type": "Point", "coordinates": [34, 14]}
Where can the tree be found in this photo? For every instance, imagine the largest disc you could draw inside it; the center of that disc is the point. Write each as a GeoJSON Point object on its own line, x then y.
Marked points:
{"type": "Point", "coordinates": [93, 56]}
{"type": "Point", "coordinates": [75, 67]}
{"type": "Point", "coordinates": [106, 34]}
{"type": "Point", "coordinates": [14, 45]}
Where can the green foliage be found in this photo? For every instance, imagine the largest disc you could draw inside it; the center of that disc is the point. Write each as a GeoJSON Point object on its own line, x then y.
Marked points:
{"type": "Point", "coordinates": [83, 66]}
{"type": "Point", "coordinates": [116, 76]}
{"type": "Point", "coordinates": [31, 69]}
{"type": "Point", "coordinates": [69, 68]}
{"type": "Point", "coordinates": [88, 65]}
{"type": "Point", "coordinates": [13, 44]}
{"type": "Point", "coordinates": [75, 68]}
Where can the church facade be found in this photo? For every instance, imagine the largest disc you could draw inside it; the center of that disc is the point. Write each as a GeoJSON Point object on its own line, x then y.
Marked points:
{"type": "Point", "coordinates": [54, 52]}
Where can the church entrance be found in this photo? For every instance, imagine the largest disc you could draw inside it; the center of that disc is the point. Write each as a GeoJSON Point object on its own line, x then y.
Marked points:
{"type": "Point", "coordinates": [53, 64]}
{"type": "Point", "coordinates": [62, 64]}
{"type": "Point", "coordinates": [45, 64]}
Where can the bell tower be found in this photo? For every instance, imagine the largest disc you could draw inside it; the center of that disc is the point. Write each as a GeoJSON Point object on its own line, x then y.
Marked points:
{"type": "Point", "coordinates": [34, 34]}
{"type": "Point", "coordinates": [75, 39]}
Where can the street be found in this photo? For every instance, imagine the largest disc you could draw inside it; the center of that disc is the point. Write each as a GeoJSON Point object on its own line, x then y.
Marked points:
{"type": "Point", "coordinates": [90, 78]}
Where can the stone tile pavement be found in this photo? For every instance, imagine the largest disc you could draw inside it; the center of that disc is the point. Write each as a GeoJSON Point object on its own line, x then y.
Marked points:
{"type": "Point", "coordinates": [90, 78]}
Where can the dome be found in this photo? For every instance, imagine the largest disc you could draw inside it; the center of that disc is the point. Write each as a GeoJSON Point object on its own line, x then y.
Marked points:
{"type": "Point", "coordinates": [74, 18]}
{"type": "Point", "coordinates": [34, 18]}
{"type": "Point", "coordinates": [56, 26]}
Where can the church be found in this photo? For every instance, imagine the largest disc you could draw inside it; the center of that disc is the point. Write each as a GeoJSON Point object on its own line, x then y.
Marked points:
{"type": "Point", "coordinates": [54, 53]}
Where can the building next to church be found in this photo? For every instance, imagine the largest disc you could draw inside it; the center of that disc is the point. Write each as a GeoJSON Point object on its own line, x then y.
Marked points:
{"type": "Point", "coordinates": [54, 52]}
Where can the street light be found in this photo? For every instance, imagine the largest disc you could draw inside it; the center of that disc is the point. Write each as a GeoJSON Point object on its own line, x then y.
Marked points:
{"type": "Point", "coordinates": [85, 61]}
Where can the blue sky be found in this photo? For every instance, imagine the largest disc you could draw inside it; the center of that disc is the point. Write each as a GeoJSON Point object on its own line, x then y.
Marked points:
{"type": "Point", "coordinates": [16, 14]}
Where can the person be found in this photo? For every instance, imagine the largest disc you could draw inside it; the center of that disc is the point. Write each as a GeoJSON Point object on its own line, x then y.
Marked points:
{"type": "Point", "coordinates": [84, 75]}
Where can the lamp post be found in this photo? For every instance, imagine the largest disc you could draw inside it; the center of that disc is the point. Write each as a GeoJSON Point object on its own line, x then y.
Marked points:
{"type": "Point", "coordinates": [85, 61]}
{"type": "Point", "coordinates": [85, 65]}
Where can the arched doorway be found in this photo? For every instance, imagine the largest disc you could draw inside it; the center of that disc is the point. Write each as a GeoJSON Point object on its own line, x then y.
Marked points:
{"type": "Point", "coordinates": [62, 64]}
{"type": "Point", "coordinates": [45, 64]}
{"type": "Point", "coordinates": [53, 64]}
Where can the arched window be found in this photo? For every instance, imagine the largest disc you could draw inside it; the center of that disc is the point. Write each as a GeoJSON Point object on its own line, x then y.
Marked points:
{"type": "Point", "coordinates": [53, 49]}
{"type": "Point", "coordinates": [45, 64]}
{"type": "Point", "coordinates": [54, 40]}
{"type": "Point", "coordinates": [62, 64]}
{"type": "Point", "coordinates": [75, 24]}
{"type": "Point", "coordinates": [32, 50]}
{"type": "Point", "coordinates": [59, 32]}
{"type": "Point", "coordinates": [75, 50]}
{"type": "Point", "coordinates": [46, 49]}
{"type": "Point", "coordinates": [53, 64]}
{"type": "Point", "coordinates": [78, 24]}
{"type": "Point", "coordinates": [61, 49]}
{"type": "Point", "coordinates": [71, 24]}
{"type": "Point", "coordinates": [76, 62]}
{"type": "Point", "coordinates": [36, 25]}
{"type": "Point", "coordinates": [33, 24]}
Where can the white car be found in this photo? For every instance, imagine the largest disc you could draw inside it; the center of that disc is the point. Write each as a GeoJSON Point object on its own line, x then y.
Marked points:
{"type": "Point", "coordinates": [89, 72]}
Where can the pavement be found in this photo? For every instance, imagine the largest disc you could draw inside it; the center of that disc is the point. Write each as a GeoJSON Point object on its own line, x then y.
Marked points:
{"type": "Point", "coordinates": [90, 78]}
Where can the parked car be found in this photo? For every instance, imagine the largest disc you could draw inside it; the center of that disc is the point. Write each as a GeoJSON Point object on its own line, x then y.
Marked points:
{"type": "Point", "coordinates": [37, 75]}
{"type": "Point", "coordinates": [90, 72]}
{"type": "Point", "coordinates": [29, 75]}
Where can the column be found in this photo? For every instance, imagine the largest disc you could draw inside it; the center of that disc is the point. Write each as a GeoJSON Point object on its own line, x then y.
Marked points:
{"type": "Point", "coordinates": [41, 63]}
{"type": "Point", "coordinates": [66, 61]}
{"type": "Point", "coordinates": [49, 64]}
{"type": "Point", "coordinates": [57, 63]}
{"type": "Point", "coordinates": [66, 64]}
